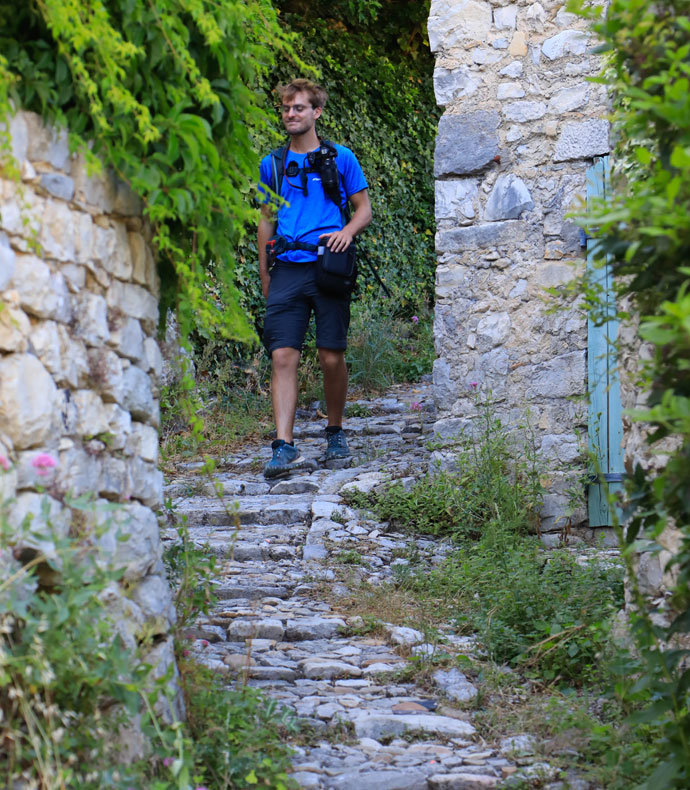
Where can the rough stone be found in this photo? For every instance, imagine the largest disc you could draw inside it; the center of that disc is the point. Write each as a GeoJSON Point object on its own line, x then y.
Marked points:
{"type": "Point", "coordinates": [479, 236]}
{"type": "Point", "coordinates": [137, 397]}
{"type": "Point", "coordinates": [105, 368]}
{"type": "Point", "coordinates": [91, 314]}
{"type": "Point", "coordinates": [493, 330]}
{"type": "Point", "coordinates": [41, 292]}
{"type": "Point", "coordinates": [328, 669]}
{"type": "Point", "coordinates": [462, 781]}
{"type": "Point", "coordinates": [256, 628]}
{"type": "Point", "coordinates": [7, 261]}
{"type": "Point", "coordinates": [523, 111]}
{"type": "Point", "coordinates": [479, 132]}
{"type": "Point", "coordinates": [583, 140]}
{"type": "Point", "coordinates": [407, 779]}
{"type": "Point", "coordinates": [381, 725]}
{"type": "Point", "coordinates": [27, 393]}
{"type": "Point", "coordinates": [126, 336]}
{"type": "Point", "coordinates": [455, 685]}
{"type": "Point", "coordinates": [15, 328]}
{"type": "Point", "coordinates": [505, 17]}
{"type": "Point", "coordinates": [452, 84]}
{"type": "Point", "coordinates": [569, 99]}
{"type": "Point", "coordinates": [510, 90]}
{"type": "Point", "coordinates": [509, 198]}
{"type": "Point", "coordinates": [453, 22]}
{"type": "Point", "coordinates": [59, 185]}
{"type": "Point", "coordinates": [567, 42]}
{"type": "Point", "coordinates": [313, 628]}
{"type": "Point", "coordinates": [455, 199]}
{"type": "Point", "coordinates": [46, 144]}
{"type": "Point", "coordinates": [135, 301]}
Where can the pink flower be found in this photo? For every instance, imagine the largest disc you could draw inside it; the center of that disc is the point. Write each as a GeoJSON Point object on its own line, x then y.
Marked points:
{"type": "Point", "coordinates": [4, 463]}
{"type": "Point", "coordinates": [204, 643]}
{"type": "Point", "coordinates": [416, 406]}
{"type": "Point", "coordinates": [414, 319]}
{"type": "Point", "coordinates": [474, 385]}
{"type": "Point", "coordinates": [185, 653]}
{"type": "Point", "coordinates": [43, 463]}
{"type": "Point", "coordinates": [168, 761]}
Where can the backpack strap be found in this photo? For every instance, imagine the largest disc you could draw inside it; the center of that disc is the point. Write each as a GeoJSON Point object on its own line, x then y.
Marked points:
{"type": "Point", "coordinates": [278, 158]}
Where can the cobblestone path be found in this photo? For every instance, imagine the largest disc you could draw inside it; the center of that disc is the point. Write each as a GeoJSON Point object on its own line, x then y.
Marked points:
{"type": "Point", "coordinates": [369, 729]}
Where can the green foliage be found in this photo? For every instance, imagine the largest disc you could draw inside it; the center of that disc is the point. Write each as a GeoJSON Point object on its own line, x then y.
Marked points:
{"type": "Point", "coordinates": [389, 341]}
{"type": "Point", "coordinates": [645, 231]}
{"type": "Point", "coordinates": [166, 92]}
{"type": "Point", "coordinates": [496, 485]}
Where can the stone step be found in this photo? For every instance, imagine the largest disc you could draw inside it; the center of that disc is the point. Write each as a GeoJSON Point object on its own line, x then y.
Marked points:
{"type": "Point", "coordinates": [209, 511]}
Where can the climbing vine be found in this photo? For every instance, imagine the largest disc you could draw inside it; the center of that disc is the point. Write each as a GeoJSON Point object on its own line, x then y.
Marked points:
{"type": "Point", "coordinates": [166, 94]}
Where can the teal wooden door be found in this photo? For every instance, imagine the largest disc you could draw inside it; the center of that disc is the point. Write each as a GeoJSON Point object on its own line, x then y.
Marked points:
{"type": "Point", "coordinates": [605, 420]}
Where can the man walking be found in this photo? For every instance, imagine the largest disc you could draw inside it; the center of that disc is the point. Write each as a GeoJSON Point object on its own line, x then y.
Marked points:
{"type": "Point", "coordinates": [309, 218]}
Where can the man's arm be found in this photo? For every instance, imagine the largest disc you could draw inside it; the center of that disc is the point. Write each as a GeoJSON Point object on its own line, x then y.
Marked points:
{"type": "Point", "coordinates": [266, 230]}
{"type": "Point", "coordinates": [341, 239]}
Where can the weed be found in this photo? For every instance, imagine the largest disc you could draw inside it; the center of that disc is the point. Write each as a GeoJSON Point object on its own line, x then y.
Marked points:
{"type": "Point", "coordinates": [357, 410]}
{"type": "Point", "coordinates": [350, 557]}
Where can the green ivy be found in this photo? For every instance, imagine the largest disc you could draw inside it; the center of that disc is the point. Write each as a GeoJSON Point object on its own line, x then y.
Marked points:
{"type": "Point", "coordinates": [167, 94]}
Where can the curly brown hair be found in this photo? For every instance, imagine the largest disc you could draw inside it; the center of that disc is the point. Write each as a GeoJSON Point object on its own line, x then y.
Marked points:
{"type": "Point", "coordinates": [317, 95]}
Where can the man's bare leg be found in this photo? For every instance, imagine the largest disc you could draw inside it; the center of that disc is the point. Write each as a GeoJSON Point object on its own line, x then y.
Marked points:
{"type": "Point", "coordinates": [334, 372]}
{"type": "Point", "coordinates": [285, 362]}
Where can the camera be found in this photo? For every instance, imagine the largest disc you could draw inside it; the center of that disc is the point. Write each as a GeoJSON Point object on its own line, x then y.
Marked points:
{"type": "Point", "coordinates": [323, 161]}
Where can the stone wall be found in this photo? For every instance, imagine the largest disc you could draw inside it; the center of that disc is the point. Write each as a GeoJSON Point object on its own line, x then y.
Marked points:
{"type": "Point", "coordinates": [79, 368]}
{"type": "Point", "coordinates": [520, 129]}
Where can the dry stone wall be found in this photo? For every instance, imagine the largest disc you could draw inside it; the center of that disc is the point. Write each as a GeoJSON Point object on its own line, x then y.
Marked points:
{"type": "Point", "coordinates": [521, 127]}
{"type": "Point", "coordinates": [79, 368]}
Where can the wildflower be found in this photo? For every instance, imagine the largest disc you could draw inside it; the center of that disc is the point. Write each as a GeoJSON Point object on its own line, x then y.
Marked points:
{"type": "Point", "coordinates": [204, 643]}
{"type": "Point", "coordinates": [185, 653]}
{"type": "Point", "coordinates": [414, 319]}
{"type": "Point", "coordinates": [474, 385]}
{"type": "Point", "coordinates": [416, 406]}
{"type": "Point", "coordinates": [168, 761]}
{"type": "Point", "coordinates": [4, 463]}
{"type": "Point", "coordinates": [43, 463]}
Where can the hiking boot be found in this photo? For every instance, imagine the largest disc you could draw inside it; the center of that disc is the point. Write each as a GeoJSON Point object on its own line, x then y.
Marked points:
{"type": "Point", "coordinates": [337, 445]}
{"type": "Point", "coordinates": [286, 457]}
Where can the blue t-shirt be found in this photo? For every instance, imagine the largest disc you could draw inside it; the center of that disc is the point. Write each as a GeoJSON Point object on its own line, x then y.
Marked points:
{"type": "Point", "coordinates": [305, 218]}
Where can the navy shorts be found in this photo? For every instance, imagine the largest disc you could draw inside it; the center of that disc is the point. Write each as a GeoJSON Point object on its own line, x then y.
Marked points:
{"type": "Point", "coordinates": [292, 296]}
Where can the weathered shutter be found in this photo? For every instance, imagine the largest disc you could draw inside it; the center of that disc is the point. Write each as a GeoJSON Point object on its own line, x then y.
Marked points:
{"type": "Point", "coordinates": [605, 423]}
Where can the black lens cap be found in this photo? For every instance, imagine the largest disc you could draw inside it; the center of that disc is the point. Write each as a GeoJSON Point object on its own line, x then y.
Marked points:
{"type": "Point", "coordinates": [292, 169]}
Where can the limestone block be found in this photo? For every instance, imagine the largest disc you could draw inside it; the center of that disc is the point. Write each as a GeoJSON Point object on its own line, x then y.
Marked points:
{"type": "Point", "coordinates": [478, 237]}
{"type": "Point", "coordinates": [536, 17]}
{"type": "Point", "coordinates": [107, 373]}
{"type": "Point", "coordinates": [41, 292]}
{"type": "Point", "coordinates": [582, 140]}
{"type": "Point", "coordinates": [518, 45]}
{"type": "Point", "coordinates": [7, 262]}
{"type": "Point", "coordinates": [453, 22]}
{"type": "Point", "coordinates": [37, 521]}
{"type": "Point", "coordinates": [74, 360]}
{"type": "Point", "coordinates": [83, 236]}
{"type": "Point", "coordinates": [565, 19]}
{"type": "Point", "coordinates": [484, 56]}
{"type": "Point", "coordinates": [119, 425]}
{"type": "Point", "coordinates": [57, 235]}
{"type": "Point", "coordinates": [27, 393]}
{"type": "Point", "coordinates": [141, 551]}
{"type": "Point", "coordinates": [47, 143]}
{"type": "Point", "coordinates": [126, 336]}
{"type": "Point", "coordinates": [21, 216]}
{"type": "Point", "coordinates": [8, 476]}
{"type": "Point", "coordinates": [142, 259]}
{"type": "Point", "coordinates": [137, 397]}
{"type": "Point", "coordinates": [154, 599]}
{"type": "Point", "coordinates": [111, 250]}
{"type": "Point", "coordinates": [91, 313]}
{"type": "Point", "coordinates": [523, 111]}
{"type": "Point", "coordinates": [561, 377]}
{"type": "Point", "coordinates": [455, 199]}
{"type": "Point", "coordinates": [79, 472]}
{"type": "Point", "coordinates": [445, 389]}
{"type": "Point", "coordinates": [153, 357]}
{"type": "Point", "coordinates": [567, 42]}
{"type": "Point", "coordinates": [91, 415]}
{"type": "Point", "coordinates": [451, 84]}
{"type": "Point", "coordinates": [67, 413]}
{"type": "Point", "coordinates": [134, 301]}
{"type": "Point", "coordinates": [30, 474]}
{"type": "Point", "coordinates": [126, 203]}
{"type": "Point", "coordinates": [46, 344]}
{"type": "Point", "coordinates": [513, 69]}
{"type": "Point", "coordinates": [563, 448]}
{"type": "Point", "coordinates": [58, 185]}
{"type": "Point", "coordinates": [146, 481]}
{"type": "Point", "coordinates": [508, 199]}
{"type": "Point", "coordinates": [510, 90]}
{"type": "Point", "coordinates": [19, 137]}
{"type": "Point", "coordinates": [569, 99]}
{"type": "Point", "coordinates": [143, 441]}
{"type": "Point", "coordinates": [493, 330]}
{"type": "Point", "coordinates": [15, 328]}
{"type": "Point", "coordinates": [114, 480]}
{"type": "Point", "coordinates": [478, 132]}
{"type": "Point", "coordinates": [505, 18]}
{"type": "Point", "coordinates": [96, 190]}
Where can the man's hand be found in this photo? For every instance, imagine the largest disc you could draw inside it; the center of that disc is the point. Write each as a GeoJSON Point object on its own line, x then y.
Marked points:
{"type": "Point", "coordinates": [338, 241]}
